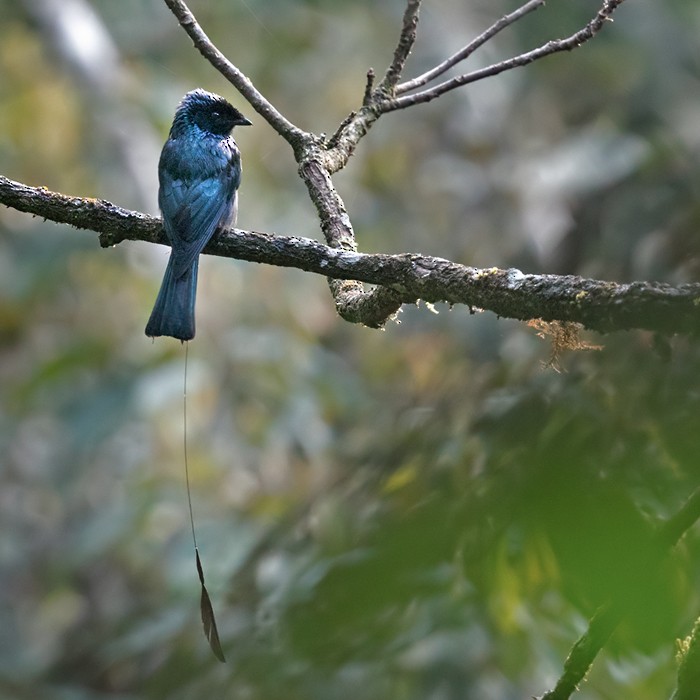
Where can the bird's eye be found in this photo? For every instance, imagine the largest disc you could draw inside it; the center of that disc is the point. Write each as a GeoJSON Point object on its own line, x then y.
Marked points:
{"type": "Point", "coordinates": [216, 113]}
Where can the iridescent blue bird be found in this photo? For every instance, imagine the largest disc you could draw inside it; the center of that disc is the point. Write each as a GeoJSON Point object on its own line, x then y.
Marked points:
{"type": "Point", "coordinates": [199, 173]}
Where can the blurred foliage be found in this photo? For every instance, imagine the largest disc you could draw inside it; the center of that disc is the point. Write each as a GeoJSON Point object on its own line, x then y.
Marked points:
{"type": "Point", "coordinates": [424, 512]}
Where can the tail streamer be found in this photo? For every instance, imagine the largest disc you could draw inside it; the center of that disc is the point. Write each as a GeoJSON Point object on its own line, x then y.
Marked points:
{"type": "Point", "coordinates": [205, 606]}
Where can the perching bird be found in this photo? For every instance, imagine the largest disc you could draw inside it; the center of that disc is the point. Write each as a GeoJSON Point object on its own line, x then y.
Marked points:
{"type": "Point", "coordinates": [199, 173]}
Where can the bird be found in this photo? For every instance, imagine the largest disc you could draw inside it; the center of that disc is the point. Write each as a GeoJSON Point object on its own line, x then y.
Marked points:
{"type": "Point", "coordinates": [199, 173]}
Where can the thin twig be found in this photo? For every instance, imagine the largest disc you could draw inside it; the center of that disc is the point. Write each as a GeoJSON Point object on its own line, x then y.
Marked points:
{"type": "Point", "coordinates": [469, 49]}
{"type": "Point", "coordinates": [551, 47]}
{"type": "Point", "coordinates": [290, 132]}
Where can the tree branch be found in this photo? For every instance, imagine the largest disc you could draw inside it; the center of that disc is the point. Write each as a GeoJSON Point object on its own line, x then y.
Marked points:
{"type": "Point", "coordinates": [380, 100]}
{"type": "Point", "coordinates": [406, 41]}
{"type": "Point", "coordinates": [469, 49]}
{"type": "Point", "coordinates": [407, 278]}
{"type": "Point", "coordinates": [580, 37]}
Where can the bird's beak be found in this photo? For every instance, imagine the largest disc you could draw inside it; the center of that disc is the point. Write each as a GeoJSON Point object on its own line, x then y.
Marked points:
{"type": "Point", "coordinates": [244, 122]}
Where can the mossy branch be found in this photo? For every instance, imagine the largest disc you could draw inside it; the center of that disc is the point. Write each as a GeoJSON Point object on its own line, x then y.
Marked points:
{"type": "Point", "coordinates": [401, 279]}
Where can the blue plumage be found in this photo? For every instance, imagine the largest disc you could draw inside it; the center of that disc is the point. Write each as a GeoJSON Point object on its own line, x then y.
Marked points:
{"type": "Point", "coordinates": [199, 173]}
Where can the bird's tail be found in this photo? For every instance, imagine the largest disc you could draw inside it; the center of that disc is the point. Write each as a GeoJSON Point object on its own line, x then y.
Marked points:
{"type": "Point", "coordinates": [173, 312]}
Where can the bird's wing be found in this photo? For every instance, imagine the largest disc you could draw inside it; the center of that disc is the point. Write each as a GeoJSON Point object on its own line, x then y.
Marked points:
{"type": "Point", "coordinates": [194, 207]}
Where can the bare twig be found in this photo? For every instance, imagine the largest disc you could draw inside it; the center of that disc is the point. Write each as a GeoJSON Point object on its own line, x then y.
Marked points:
{"type": "Point", "coordinates": [403, 49]}
{"type": "Point", "coordinates": [469, 49]}
{"type": "Point", "coordinates": [406, 278]}
{"type": "Point", "coordinates": [603, 16]}
{"type": "Point", "coordinates": [377, 102]}
{"type": "Point", "coordinates": [293, 134]}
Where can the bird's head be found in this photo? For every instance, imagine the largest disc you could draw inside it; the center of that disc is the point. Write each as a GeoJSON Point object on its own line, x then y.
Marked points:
{"type": "Point", "coordinates": [209, 112]}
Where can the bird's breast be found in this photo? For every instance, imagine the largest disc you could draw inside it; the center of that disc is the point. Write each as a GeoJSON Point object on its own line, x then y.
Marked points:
{"type": "Point", "coordinates": [188, 158]}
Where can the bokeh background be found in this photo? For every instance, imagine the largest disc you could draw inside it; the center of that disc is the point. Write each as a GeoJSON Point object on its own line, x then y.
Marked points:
{"type": "Point", "coordinates": [422, 512]}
